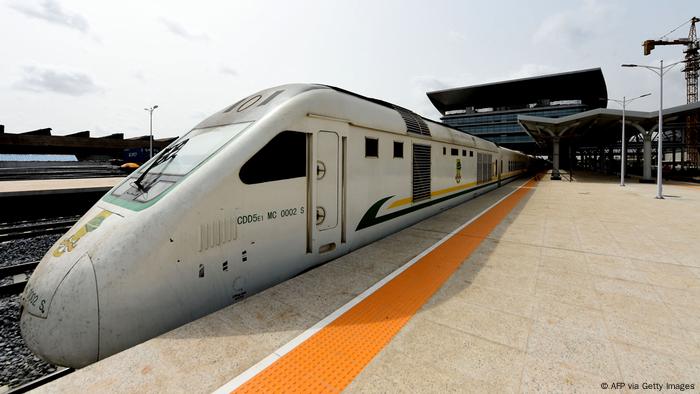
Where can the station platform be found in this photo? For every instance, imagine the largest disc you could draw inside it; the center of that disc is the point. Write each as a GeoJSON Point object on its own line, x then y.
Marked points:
{"type": "Point", "coordinates": [559, 287]}
{"type": "Point", "coordinates": [56, 186]}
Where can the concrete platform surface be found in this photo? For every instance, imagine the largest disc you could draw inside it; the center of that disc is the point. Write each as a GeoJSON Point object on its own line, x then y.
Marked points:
{"type": "Point", "coordinates": [585, 283]}
{"type": "Point", "coordinates": [53, 186]}
{"type": "Point", "coordinates": [588, 283]}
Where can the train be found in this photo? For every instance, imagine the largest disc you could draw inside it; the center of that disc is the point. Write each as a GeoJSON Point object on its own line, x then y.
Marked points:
{"type": "Point", "coordinates": [269, 187]}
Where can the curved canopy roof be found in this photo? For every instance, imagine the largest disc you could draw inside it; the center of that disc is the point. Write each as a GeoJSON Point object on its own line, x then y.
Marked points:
{"type": "Point", "coordinates": [601, 126]}
{"type": "Point", "coordinates": [585, 85]}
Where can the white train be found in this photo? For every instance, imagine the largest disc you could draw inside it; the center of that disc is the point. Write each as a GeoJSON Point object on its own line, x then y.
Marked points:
{"type": "Point", "coordinates": [273, 185]}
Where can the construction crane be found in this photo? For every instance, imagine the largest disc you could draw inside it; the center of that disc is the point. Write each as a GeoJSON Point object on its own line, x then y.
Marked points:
{"type": "Point", "coordinates": [692, 65]}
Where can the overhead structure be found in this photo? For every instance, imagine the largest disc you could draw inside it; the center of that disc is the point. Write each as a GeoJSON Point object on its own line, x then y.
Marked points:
{"type": "Point", "coordinates": [587, 86]}
{"type": "Point", "coordinates": [491, 110]}
{"type": "Point", "coordinates": [692, 65]}
{"type": "Point", "coordinates": [80, 144]}
{"type": "Point", "coordinates": [594, 138]}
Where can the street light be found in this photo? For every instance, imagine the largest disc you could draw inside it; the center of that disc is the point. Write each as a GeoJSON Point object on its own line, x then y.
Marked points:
{"type": "Point", "coordinates": [660, 72]}
{"type": "Point", "coordinates": [623, 151]}
{"type": "Point", "coordinates": [150, 139]}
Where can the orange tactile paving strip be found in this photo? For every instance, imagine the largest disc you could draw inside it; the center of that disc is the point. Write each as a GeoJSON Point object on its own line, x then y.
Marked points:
{"type": "Point", "coordinates": [330, 359]}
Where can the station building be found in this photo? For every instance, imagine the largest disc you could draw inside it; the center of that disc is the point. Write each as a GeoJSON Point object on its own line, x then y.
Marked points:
{"type": "Point", "coordinates": [491, 110]}
{"type": "Point", "coordinates": [565, 117]}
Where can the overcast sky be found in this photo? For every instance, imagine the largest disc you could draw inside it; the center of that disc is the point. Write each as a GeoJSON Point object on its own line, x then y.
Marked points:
{"type": "Point", "coordinates": [92, 65]}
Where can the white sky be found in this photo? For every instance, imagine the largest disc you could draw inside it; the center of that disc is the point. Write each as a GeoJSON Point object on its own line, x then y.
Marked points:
{"type": "Point", "coordinates": [92, 65]}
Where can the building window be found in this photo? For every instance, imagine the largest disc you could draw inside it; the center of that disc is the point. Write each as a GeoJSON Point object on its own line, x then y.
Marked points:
{"type": "Point", "coordinates": [371, 147]}
{"type": "Point", "coordinates": [444, 150]}
{"type": "Point", "coordinates": [398, 150]}
{"type": "Point", "coordinates": [471, 153]}
{"type": "Point", "coordinates": [288, 147]}
{"type": "Point", "coordinates": [464, 152]}
{"type": "Point", "coordinates": [454, 152]}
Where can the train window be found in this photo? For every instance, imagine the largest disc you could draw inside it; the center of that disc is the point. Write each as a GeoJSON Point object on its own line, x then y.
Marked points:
{"type": "Point", "coordinates": [464, 152]}
{"type": "Point", "coordinates": [471, 153]}
{"type": "Point", "coordinates": [444, 150]}
{"type": "Point", "coordinates": [284, 157]}
{"type": "Point", "coordinates": [189, 151]}
{"type": "Point", "coordinates": [176, 161]}
{"type": "Point", "coordinates": [371, 147]}
{"type": "Point", "coordinates": [454, 152]}
{"type": "Point", "coordinates": [398, 149]}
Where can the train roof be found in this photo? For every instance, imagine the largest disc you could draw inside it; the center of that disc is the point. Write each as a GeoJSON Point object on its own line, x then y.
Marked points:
{"type": "Point", "coordinates": [254, 107]}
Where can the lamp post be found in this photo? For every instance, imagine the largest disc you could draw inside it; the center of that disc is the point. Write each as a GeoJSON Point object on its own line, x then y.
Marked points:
{"type": "Point", "coordinates": [150, 139]}
{"type": "Point", "coordinates": [623, 151]}
{"type": "Point", "coordinates": [660, 72]}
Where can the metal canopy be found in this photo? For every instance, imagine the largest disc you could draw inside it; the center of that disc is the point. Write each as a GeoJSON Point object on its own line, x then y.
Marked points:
{"type": "Point", "coordinates": [600, 125]}
{"type": "Point", "coordinates": [585, 85]}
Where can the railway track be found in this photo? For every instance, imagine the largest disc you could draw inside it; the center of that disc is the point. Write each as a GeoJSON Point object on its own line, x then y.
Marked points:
{"type": "Point", "coordinates": [59, 373]}
{"type": "Point", "coordinates": [12, 280]}
{"type": "Point", "coordinates": [30, 371]}
{"type": "Point", "coordinates": [20, 367]}
{"type": "Point", "coordinates": [71, 175]}
{"type": "Point", "coordinates": [28, 229]}
{"type": "Point", "coordinates": [60, 172]}
{"type": "Point", "coordinates": [17, 286]}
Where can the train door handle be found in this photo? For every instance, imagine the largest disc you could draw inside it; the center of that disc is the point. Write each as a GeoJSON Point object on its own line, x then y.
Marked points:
{"type": "Point", "coordinates": [320, 170]}
{"type": "Point", "coordinates": [320, 215]}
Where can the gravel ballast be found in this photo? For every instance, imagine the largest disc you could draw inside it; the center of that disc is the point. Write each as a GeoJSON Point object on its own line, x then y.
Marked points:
{"type": "Point", "coordinates": [18, 365]}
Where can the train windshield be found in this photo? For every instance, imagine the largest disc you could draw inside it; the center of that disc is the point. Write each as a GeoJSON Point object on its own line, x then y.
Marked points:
{"type": "Point", "coordinates": [189, 151]}
{"type": "Point", "coordinates": [176, 161]}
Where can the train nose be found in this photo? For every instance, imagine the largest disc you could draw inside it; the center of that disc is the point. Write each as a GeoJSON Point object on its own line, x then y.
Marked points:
{"type": "Point", "coordinates": [59, 320]}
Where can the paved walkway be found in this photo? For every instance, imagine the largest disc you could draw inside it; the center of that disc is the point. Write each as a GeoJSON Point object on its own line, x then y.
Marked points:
{"type": "Point", "coordinates": [52, 186]}
{"type": "Point", "coordinates": [588, 283]}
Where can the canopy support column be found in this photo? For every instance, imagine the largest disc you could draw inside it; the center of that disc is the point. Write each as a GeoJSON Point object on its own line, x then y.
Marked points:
{"type": "Point", "coordinates": [555, 159]}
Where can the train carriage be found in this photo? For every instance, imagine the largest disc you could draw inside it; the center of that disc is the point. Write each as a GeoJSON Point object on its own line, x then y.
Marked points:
{"type": "Point", "coordinates": [277, 183]}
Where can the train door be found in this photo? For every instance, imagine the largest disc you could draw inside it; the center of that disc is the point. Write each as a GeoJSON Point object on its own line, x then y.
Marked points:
{"type": "Point", "coordinates": [328, 213]}
{"type": "Point", "coordinates": [500, 172]}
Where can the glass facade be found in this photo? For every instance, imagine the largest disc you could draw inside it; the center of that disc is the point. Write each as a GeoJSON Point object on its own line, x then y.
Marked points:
{"type": "Point", "coordinates": [502, 127]}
